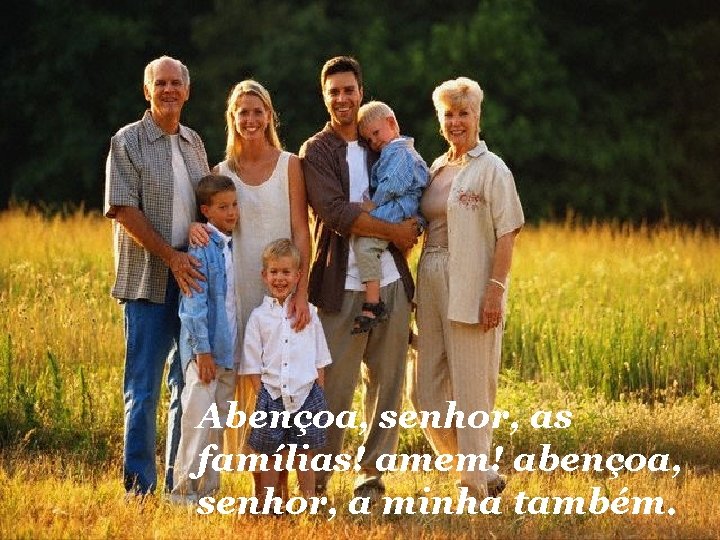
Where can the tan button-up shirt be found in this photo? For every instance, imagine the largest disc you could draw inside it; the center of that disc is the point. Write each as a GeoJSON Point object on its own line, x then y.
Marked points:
{"type": "Point", "coordinates": [483, 205]}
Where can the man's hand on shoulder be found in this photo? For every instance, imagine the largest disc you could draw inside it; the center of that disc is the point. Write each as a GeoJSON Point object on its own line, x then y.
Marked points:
{"type": "Point", "coordinates": [184, 268]}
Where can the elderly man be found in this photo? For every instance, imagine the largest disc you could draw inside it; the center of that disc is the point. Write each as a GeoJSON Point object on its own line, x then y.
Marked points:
{"type": "Point", "coordinates": [151, 173]}
{"type": "Point", "coordinates": [336, 164]}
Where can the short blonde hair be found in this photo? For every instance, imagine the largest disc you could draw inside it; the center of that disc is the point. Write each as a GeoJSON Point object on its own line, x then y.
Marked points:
{"type": "Point", "coordinates": [254, 88]}
{"type": "Point", "coordinates": [282, 247]}
{"type": "Point", "coordinates": [456, 93]}
{"type": "Point", "coordinates": [374, 110]}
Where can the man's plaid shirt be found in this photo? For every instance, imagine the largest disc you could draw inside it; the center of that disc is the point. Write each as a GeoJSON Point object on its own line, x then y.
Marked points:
{"type": "Point", "coordinates": [139, 173]}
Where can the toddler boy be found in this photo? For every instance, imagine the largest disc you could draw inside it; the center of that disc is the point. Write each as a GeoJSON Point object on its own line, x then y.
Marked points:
{"type": "Point", "coordinates": [396, 183]}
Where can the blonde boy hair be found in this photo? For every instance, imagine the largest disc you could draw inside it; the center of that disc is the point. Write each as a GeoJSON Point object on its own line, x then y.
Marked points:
{"type": "Point", "coordinates": [374, 110]}
{"type": "Point", "coordinates": [282, 247]}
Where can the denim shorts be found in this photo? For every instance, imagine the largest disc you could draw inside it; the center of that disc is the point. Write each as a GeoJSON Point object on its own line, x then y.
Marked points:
{"type": "Point", "coordinates": [267, 439]}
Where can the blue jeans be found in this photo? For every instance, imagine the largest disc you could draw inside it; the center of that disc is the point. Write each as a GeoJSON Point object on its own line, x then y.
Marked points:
{"type": "Point", "coordinates": [151, 334]}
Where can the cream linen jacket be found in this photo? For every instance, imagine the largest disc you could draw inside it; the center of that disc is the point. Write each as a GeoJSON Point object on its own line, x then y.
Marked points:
{"type": "Point", "coordinates": [483, 205]}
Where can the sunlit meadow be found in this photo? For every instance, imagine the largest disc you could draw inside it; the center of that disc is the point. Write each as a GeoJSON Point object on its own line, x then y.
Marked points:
{"type": "Point", "coordinates": [618, 325]}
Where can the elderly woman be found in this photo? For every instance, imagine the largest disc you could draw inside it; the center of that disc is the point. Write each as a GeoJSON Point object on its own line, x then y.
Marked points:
{"type": "Point", "coordinates": [474, 215]}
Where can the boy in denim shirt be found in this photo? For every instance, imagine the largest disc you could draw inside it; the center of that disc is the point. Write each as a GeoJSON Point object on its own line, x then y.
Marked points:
{"type": "Point", "coordinates": [208, 341]}
{"type": "Point", "coordinates": [396, 183]}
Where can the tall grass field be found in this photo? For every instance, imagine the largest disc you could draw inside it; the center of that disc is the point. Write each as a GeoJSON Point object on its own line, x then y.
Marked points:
{"type": "Point", "coordinates": [617, 324]}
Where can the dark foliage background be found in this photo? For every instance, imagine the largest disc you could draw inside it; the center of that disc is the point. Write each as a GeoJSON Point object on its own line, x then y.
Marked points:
{"type": "Point", "coordinates": [609, 109]}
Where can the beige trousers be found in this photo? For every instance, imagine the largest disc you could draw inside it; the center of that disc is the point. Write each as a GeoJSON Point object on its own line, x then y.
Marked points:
{"type": "Point", "coordinates": [382, 353]}
{"type": "Point", "coordinates": [455, 362]}
{"type": "Point", "coordinates": [197, 398]}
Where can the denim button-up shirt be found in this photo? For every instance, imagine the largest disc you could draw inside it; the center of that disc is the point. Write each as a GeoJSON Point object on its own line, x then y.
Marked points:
{"type": "Point", "coordinates": [397, 180]}
{"type": "Point", "coordinates": [203, 317]}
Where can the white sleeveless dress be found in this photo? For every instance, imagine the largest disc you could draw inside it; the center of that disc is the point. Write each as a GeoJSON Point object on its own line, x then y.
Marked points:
{"type": "Point", "coordinates": [264, 216]}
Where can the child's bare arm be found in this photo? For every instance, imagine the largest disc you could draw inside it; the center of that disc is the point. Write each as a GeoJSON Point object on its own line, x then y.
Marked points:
{"type": "Point", "coordinates": [321, 377]}
{"type": "Point", "coordinates": [206, 367]}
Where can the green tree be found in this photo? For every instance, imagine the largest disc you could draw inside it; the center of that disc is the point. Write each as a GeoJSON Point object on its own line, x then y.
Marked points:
{"type": "Point", "coordinates": [641, 72]}
{"type": "Point", "coordinates": [608, 108]}
{"type": "Point", "coordinates": [529, 110]}
{"type": "Point", "coordinates": [74, 76]}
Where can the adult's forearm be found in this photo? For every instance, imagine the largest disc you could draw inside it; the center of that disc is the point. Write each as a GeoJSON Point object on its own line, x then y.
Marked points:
{"type": "Point", "coordinates": [302, 241]}
{"type": "Point", "coordinates": [403, 234]}
{"type": "Point", "coordinates": [300, 228]}
{"type": "Point", "coordinates": [503, 256]}
{"type": "Point", "coordinates": [366, 225]}
{"type": "Point", "coordinates": [141, 230]}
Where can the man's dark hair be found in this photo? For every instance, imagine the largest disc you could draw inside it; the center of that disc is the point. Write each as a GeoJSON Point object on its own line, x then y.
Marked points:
{"type": "Point", "coordinates": [341, 64]}
{"type": "Point", "coordinates": [210, 185]}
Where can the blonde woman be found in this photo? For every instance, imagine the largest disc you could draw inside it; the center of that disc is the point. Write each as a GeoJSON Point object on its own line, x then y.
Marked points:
{"type": "Point", "coordinates": [271, 195]}
{"type": "Point", "coordinates": [272, 204]}
{"type": "Point", "coordinates": [474, 215]}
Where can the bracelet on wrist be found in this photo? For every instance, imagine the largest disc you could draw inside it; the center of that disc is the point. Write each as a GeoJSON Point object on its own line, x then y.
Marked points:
{"type": "Point", "coordinates": [497, 282]}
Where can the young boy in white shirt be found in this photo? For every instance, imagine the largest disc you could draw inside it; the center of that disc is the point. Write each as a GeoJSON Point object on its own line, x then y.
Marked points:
{"type": "Point", "coordinates": [286, 367]}
{"type": "Point", "coordinates": [208, 339]}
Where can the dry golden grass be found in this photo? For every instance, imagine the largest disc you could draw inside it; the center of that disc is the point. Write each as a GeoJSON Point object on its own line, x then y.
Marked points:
{"type": "Point", "coordinates": [619, 326]}
{"type": "Point", "coordinates": [40, 503]}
